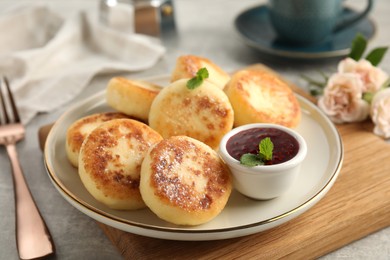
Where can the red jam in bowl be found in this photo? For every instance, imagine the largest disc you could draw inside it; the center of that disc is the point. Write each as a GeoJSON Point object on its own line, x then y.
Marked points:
{"type": "Point", "coordinates": [247, 141]}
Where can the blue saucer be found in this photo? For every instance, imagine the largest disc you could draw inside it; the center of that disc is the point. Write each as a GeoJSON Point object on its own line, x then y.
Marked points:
{"type": "Point", "coordinates": [255, 28]}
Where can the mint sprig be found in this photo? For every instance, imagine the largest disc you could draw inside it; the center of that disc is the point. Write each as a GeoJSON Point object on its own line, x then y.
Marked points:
{"type": "Point", "coordinates": [266, 148]}
{"type": "Point", "coordinates": [196, 81]}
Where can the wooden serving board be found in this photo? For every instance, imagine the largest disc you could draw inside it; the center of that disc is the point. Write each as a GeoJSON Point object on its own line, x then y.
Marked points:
{"type": "Point", "coordinates": [358, 204]}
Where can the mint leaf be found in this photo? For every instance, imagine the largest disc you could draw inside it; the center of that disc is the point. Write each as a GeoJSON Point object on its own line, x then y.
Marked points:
{"type": "Point", "coordinates": [251, 160]}
{"type": "Point", "coordinates": [198, 79]}
{"type": "Point", "coordinates": [376, 55]}
{"type": "Point", "coordinates": [266, 148]}
{"type": "Point", "coordinates": [358, 47]}
{"type": "Point", "coordinates": [194, 83]}
{"type": "Point", "coordinates": [203, 73]}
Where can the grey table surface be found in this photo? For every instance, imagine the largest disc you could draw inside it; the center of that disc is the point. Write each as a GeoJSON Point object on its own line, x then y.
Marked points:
{"type": "Point", "coordinates": [205, 28]}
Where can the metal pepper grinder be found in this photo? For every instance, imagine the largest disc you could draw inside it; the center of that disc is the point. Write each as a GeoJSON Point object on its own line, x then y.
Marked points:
{"type": "Point", "coordinates": [154, 17]}
{"type": "Point", "coordinates": [151, 17]}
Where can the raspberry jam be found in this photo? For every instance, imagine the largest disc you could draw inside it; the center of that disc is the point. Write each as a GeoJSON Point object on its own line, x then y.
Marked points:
{"type": "Point", "coordinates": [247, 141]}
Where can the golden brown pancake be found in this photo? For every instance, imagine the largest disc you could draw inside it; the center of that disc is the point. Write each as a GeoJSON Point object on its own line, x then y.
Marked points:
{"type": "Point", "coordinates": [81, 128]}
{"type": "Point", "coordinates": [258, 96]}
{"type": "Point", "coordinates": [110, 162]}
{"type": "Point", "coordinates": [183, 181]}
{"type": "Point", "coordinates": [188, 65]}
{"type": "Point", "coordinates": [131, 97]}
{"type": "Point", "coordinates": [203, 113]}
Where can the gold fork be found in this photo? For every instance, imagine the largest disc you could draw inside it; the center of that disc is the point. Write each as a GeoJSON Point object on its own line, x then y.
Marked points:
{"type": "Point", "coordinates": [32, 236]}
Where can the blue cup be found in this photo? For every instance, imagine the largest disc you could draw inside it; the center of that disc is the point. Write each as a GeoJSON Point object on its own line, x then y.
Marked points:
{"type": "Point", "coordinates": [305, 22]}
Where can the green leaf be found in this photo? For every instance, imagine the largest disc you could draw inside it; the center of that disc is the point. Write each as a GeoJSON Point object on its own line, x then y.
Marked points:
{"type": "Point", "coordinates": [194, 83]}
{"type": "Point", "coordinates": [358, 47]}
{"type": "Point", "coordinates": [376, 55]}
{"type": "Point", "coordinates": [315, 92]}
{"type": "Point", "coordinates": [251, 160]}
{"type": "Point", "coordinates": [266, 148]}
{"type": "Point", "coordinates": [316, 87]}
{"type": "Point", "coordinates": [311, 81]}
{"type": "Point", "coordinates": [324, 76]}
{"type": "Point", "coordinates": [203, 73]}
{"type": "Point", "coordinates": [198, 79]}
{"type": "Point", "coordinates": [368, 96]}
{"type": "Point", "coordinates": [386, 84]}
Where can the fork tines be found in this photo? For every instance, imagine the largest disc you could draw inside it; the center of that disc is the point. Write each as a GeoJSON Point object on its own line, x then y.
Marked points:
{"type": "Point", "coordinates": [7, 103]}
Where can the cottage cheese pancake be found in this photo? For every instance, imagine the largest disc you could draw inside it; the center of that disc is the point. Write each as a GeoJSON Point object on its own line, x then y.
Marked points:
{"type": "Point", "coordinates": [110, 162]}
{"type": "Point", "coordinates": [183, 181]}
{"type": "Point", "coordinates": [131, 97]}
{"type": "Point", "coordinates": [188, 65]}
{"type": "Point", "coordinates": [203, 113]}
{"type": "Point", "coordinates": [81, 128]}
{"type": "Point", "coordinates": [258, 96]}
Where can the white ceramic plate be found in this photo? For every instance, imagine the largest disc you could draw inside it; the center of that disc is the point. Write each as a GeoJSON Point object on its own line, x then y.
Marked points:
{"type": "Point", "coordinates": [241, 216]}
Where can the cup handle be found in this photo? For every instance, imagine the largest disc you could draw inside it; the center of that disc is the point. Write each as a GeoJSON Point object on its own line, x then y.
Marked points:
{"type": "Point", "coordinates": [346, 23]}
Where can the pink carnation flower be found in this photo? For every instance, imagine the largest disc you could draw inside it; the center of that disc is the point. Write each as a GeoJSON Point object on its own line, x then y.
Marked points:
{"type": "Point", "coordinates": [342, 100]}
{"type": "Point", "coordinates": [380, 113]}
{"type": "Point", "coordinates": [372, 77]}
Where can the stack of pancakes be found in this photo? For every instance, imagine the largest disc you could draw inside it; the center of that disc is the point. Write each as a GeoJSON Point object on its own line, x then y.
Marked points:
{"type": "Point", "coordinates": [159, 149]}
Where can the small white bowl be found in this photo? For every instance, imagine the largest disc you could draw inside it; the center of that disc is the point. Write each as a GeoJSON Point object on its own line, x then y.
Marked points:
{"type": "Point", "coordinates": [264, 181]}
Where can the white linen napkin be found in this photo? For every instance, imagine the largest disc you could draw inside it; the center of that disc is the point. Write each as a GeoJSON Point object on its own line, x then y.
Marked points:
{"type": "Point", "coordinates": [50, 60]}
